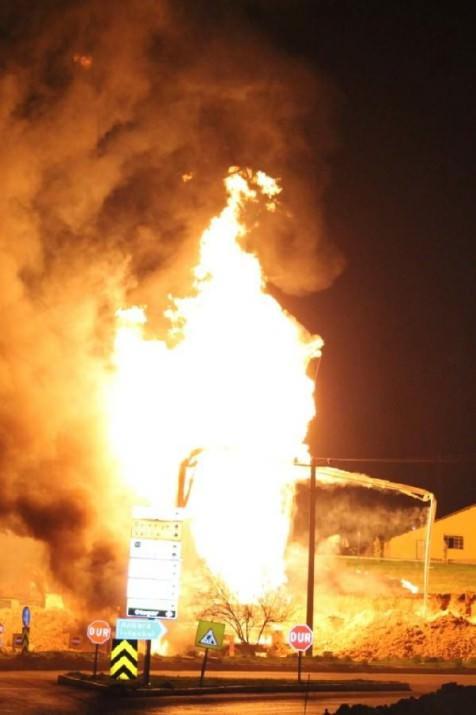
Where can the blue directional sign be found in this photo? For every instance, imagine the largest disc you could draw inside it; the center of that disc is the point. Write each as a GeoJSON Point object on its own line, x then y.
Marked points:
{"type": "Point", "coordinates": [141, 629]}
{"type": "Point", "coordinates": [26, 617]}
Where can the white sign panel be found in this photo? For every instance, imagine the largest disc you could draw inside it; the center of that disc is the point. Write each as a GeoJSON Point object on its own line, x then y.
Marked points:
{"type": "Point", "coordinates": [151, 588]}
{"type": "Point", "coordinates": [152, 512]}
{"type": "Point", "coordinates": [157, 530]}
{"type": "Point", "coordinates": [149, 549]}
{"type": "Point", "coordinates": [160, 569]}
{"type": "Point", "coordinates": [154, 564]}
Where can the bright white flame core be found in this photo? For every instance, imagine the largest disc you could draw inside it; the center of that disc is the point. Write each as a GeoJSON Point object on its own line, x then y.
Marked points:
{"type": "Point", "coordinates": [409, 585]}
{"type": "Point", "coordinates": [234, 385]}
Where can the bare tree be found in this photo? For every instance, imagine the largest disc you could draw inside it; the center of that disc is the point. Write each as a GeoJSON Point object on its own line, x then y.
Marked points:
{"type": "Point", "coordinates": [248, 620]}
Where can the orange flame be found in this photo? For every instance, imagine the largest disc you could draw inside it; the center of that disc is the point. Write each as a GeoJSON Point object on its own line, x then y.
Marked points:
{"type": "Point", "coordinates": [84, 61]}
{"type": "Point", "coordinates": [231, 382]}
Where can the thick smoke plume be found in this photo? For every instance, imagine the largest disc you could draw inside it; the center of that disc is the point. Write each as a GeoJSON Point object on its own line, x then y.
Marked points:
{"type": "Point", "coordinates": [118, 121]}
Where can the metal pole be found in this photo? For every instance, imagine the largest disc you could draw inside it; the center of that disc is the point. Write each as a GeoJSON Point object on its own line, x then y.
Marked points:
{"type": "Point", "coordinates": [311, 551]}
{"type": "Point", "coordinates": [148, 649]}
{"type": "Point", "coordinates": [204, 665]}
{"type": "Point", "coordinates": [95, 666]}
{"type": "Point", "coordinates": [312, 531]}
{"type": "Point", "coordinates": [427, 555]}
{"type": "Point", "coordinates": [25, 641]}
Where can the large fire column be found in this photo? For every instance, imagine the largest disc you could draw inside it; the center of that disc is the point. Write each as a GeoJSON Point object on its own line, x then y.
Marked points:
{"type": "Point", "coordinates": [178, 386]}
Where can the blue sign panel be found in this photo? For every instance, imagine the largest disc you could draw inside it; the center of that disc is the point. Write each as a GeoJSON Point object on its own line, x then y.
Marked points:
{"type": "Point", "coordinates": [141, 629]}
{"type": "Point", "coordinates": [26, 617]}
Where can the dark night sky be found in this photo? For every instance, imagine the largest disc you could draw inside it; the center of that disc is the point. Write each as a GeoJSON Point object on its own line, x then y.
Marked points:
{"type": "Point", "coordinates": [396, 379]}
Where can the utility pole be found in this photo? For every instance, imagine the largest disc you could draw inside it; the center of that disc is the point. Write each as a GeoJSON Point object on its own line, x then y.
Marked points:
{"type": "Point", "coordinates": [311, 551]}
{"type": "Point", "coordinates": [312, 531]}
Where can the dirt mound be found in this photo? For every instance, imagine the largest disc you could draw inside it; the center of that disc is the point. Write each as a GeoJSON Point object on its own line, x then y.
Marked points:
{"type": "Point", "coordinates": [448, 637]}
{"type": "Point", "coordinates": [450, 698]}
{"type": "Point", "coordinates": [377, 634]}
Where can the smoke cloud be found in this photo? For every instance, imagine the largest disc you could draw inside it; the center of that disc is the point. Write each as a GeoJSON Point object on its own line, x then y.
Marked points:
{"type": "Point", "coordinates": [118, 122]}
{"type": "Point", "coordinates": [358, 514]}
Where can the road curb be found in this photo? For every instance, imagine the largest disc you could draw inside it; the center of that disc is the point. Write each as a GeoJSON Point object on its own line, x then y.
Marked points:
{"type": "Point", "coordinates": [333, 686]}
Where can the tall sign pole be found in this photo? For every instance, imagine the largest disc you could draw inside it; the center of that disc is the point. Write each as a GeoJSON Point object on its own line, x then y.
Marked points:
{"type": "Point", "coordinates": [300, 638]}
{"type": "Point", "coordinates": [147, 657]}
{"type": "Point", "coordinates": [98, 632]}
{"type": "Point", "coordinates": [26, 621]}
{"type": "Point", "coordinates": [154, 571]}
{"type": "Point", "coordinates": [154, 563]}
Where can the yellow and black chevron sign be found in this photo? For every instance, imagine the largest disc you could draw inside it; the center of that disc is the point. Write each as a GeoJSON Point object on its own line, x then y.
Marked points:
{"type": "Point", "coordinates": [124, 659]}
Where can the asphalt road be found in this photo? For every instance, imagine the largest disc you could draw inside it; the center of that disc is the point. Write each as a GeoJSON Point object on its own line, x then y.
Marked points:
{"type": "Point", "coordinates": [36, 693]}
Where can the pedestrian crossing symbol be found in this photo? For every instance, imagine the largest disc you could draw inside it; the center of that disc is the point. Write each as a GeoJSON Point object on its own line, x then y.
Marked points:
{"type": "Point", "coordinates": [209, 639]}
{"type": "Point", "coordinates": [210, 634]}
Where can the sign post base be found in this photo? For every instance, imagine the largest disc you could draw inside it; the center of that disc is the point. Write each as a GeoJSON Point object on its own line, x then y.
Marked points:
{"type": "Point", "coordinates": [148, 650]}
{"type": "Point", "coordinates": [204, 666]}
{"type": "Point", "coordinates": [95, 666]}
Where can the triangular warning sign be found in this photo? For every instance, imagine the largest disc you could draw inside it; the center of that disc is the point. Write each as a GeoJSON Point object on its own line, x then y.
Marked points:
{"type": "Point", "coordinates": [208, 638]}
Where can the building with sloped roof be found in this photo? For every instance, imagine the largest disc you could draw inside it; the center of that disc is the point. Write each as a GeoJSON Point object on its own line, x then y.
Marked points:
{"type": "Point", "coordinates": [453, 539]}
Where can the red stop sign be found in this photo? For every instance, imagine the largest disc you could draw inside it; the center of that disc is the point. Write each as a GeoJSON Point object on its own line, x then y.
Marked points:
{"type": "Point", "coordinates": [98, 632]}
{"type": "Point", "coordinates": [300, 637]}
